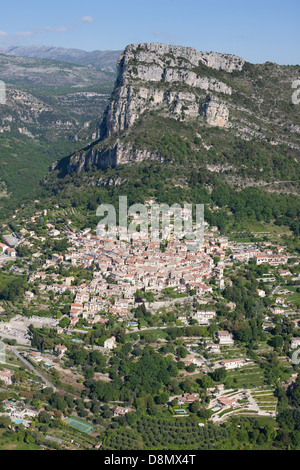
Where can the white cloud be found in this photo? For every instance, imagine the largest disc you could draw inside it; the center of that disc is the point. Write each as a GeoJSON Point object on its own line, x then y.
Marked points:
{"type": "Point", "coordinates": [87, 19]}
{"type": "Point", "coordinates": [62, 29]}
{"type": "Point", "coordinates": [47, 30]}
{"type": "Point", "coordinates": [24, 34]}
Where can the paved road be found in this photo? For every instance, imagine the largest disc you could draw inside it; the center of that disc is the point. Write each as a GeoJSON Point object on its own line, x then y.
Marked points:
{"type": "Point", "coordinates": [33, 369]}
{"type": "Point", "coordinates": [160, 328]}
{"type": "Point", "coordinates": [206, 361]}
{"type": "Point", "coordinates": [274, 291]}
{"type": "Point", "coordinates": [38, 373]}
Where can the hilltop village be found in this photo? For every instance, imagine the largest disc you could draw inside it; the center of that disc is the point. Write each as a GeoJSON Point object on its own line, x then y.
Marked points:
{"type": "Point", "coordinates": [207, 332]}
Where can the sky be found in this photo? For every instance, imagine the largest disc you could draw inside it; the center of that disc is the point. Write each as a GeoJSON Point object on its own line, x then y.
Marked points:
{"type": "Point", "coordinates": [257, 30]}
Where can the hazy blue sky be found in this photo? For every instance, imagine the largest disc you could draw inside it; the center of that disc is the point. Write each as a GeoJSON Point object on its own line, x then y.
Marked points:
{"type": "Point", "coordinates": [258, 30]}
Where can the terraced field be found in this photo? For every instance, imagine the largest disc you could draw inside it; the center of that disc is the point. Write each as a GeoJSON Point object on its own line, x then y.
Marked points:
{"type": "Point", "coordinates": [265, 400]}
{"type": "Point", "coordinates": [249, 377]}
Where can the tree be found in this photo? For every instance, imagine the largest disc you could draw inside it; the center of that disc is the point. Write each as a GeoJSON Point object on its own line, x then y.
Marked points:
{"type": "Point", "coordinates": [107, 412]}
{"type": "Point", "coordinates": [295, 438]}
{"type": "Point", "coordinates": [207, 382]}
{"type": "Point", "coordinates": [219, 375]}
{"type": "Point", "coordinates": [191, 368]}
{"type": "Point", "coordinates": [29, 439]}
{"type": "Point", "coordinates": [173, 370]}
{"type": "Point", "coordinates": [19, 376]}
{"type": "Point", "coordinates": [79, 356]}
{"type": "Point", "coordinates": [204, 413]}
{"type": "Point", "coordinates": [89, 373]}
{"type": "Point", "coordinates": [64, 322]}
{"type": "Point", "coordinates": [60, 245]}
{"type": "Point", "coordinates": [4, 422]}
{"type": "Point", "coordinates": [195, 407]}
{"type": "Point", "coordinates": [181, 352]}
{"type": "Point", "coordinates": [162, 398]}
{"type": "Point", "coordinates": [98, 359]}
{"type": "Point", "coordinates": [277, 342]}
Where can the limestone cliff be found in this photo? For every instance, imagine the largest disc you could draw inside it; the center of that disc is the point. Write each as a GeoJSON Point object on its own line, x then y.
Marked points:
{"type": "Point", "coordinates": [216, 113]}
{"type": "Point", "coordinates": [110, 156]}
{"type": "Point", "coordinates": [170, 78]}
{"type": "Point", "coordinates": [175, 81]}
{"type": "Point", "coordinates": [170, 91]}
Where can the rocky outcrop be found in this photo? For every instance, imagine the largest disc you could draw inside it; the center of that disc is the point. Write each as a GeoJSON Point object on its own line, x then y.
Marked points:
{"type": "Point", "coordinates": [157, 84]}
{"type": "Point", "coordinates": [181, 56]}
{"type": "Point", "coordinates": [170, 78]}
{"type": "Point", "coordinates": [109, 156]}
{"type": "Point", "coordinates": [216, 113]}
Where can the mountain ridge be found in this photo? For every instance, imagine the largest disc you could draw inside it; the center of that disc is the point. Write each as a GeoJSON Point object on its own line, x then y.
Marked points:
{"type": "Point", "coordinates": [202, 90]}
{"type": "Point", "coordinates": [103, 60]}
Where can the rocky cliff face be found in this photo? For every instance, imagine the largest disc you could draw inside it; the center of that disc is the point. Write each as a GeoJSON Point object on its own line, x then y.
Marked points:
{"type": "Point", "coordinates": [191, 93]}
{"type": "Point", "coordinates": [169, 78]}
{"type": "Point", "coordinates": [110, 156]}
{"type": "Point", "coordinates": [175, 81]}
{"type": "Point", "coordinates": [216, 113]}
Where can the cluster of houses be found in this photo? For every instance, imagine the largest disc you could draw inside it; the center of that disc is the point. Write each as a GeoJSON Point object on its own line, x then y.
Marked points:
{"type": "Point", "coordinates": [121, 268]}
{"type": "Point", "coordinates": [204, 318]}
{"type": "Point", "coordinates": [6, 250]}
{"type": "Point", "coordinates": [225, 338]}
{"type": "Point", "coordinates": [295, 343]}
{"type": "Point", "coordinates": [185, 398]}
{"type": "Point", "coordinates": [19, 412]}
{"type": "Point", "coordinates": [6, 376]}
{"type": "Point", "coordinates": [268, 256]}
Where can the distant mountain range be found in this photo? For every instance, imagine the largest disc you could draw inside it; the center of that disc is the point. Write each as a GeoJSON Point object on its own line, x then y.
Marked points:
{"type": "Point", "coordinates": [103, 60]}
{"type": "Point", "coordinates": [52, 109]}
